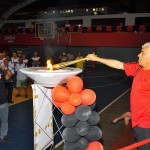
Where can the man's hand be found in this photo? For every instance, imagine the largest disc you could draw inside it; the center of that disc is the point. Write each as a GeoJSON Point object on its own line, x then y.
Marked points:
{"type": "Point", "coordinates": [92, 57]}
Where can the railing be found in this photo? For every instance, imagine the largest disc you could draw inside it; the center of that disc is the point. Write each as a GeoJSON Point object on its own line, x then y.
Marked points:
{"type": "Point", "coordinates": [130, 28]}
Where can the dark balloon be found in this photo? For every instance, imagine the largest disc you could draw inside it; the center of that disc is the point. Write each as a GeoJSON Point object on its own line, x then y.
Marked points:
{"type": "Point", "coordinates": [82, 143]}
{"type": "Point", "coordinates": [70, 134]}
{"type": "Point", "coordinates": [69, 120]}
{"type": "Point", "coordinates": [95, 118]}
{"type": "Point", "coordinates": [93, 105]}
{"type": "Point", "coordinates": [95, 134]}
{"type": "Point", "coordinates": [83, 128]}
{"type": "Point", "coordinates": [83, 112]}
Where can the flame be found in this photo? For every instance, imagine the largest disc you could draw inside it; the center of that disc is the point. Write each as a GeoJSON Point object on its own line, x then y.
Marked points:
{"type": "Point", "coordinates": [49, 65]}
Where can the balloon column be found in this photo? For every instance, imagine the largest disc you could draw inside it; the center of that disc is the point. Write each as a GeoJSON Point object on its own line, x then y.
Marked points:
{"type": "Point", "coordinates": [79, 118]}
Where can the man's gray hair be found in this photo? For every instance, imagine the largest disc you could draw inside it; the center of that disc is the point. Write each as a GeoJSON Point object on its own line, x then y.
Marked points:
{"type": "Point", "coordinates": [146, 44]}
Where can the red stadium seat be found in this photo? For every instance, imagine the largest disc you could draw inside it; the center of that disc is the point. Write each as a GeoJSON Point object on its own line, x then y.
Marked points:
{"type": "Point", "coordinates": [99, 28]}
{"type": "Point", "coordinates": [80, 29]}
{"type": "Point", "coordinates": [130, 28]}
{"type": "Point", "coordinates": [142, 28]}
{"type": "Point", "coordinates": [109, 28]}
{"type": "Point", "coordinates": [89, 29]}
{"type": "Point", "coordinates": [119, 28]}
{"type": "Point", "coordinates": [71, 29]}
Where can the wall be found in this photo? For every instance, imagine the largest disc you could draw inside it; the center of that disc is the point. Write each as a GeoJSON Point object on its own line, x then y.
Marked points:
{"type": "Point", "coordinates": [112, 39]}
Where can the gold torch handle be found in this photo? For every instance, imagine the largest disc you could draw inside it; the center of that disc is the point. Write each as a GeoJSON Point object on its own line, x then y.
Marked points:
{"type": "Point", "coordinates": [65, 64]}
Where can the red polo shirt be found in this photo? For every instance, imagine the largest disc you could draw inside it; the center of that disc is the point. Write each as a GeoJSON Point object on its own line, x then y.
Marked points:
{"type": "Point", "coordinates": [140, 95]}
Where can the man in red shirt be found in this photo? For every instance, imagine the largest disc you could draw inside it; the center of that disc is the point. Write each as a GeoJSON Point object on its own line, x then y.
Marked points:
{"type": "Point", "coordinates": [140, 92]}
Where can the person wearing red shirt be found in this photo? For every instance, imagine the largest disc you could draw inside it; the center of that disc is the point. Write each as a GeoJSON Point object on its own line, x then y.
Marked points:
{"type": "Point", "coordinates": [140, 92]}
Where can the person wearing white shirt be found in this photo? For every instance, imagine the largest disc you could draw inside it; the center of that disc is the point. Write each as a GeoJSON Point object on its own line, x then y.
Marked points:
{"type": "Point", "coordinates": [35, 60]}
{"type": "Point", "coordinates": [25, 60]}
{"type": "Point", "coordinates": [21, 78]}
{"type": "Point", "coordinates": [14, 61]}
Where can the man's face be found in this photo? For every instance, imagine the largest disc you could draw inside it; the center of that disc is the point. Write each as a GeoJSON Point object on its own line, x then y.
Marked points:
{"type": "Point", "coordinates": [144, 57]}
{"type": "Point", "coordinates": [5, 62]}
{"type": "Point", "coordinates": [20, 60]}
{"type": "Point", "coordinates": [14, 54]}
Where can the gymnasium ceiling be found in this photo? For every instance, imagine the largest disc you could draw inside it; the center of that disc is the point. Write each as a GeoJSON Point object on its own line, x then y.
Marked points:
{"type": "Point", "coordinates": [8, 7]}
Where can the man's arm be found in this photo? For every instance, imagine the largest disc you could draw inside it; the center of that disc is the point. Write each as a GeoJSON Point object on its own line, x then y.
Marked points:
{"type": "Point", "coordinates": [109, 62]}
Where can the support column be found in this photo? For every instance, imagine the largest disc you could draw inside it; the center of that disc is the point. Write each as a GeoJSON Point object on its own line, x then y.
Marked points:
{"type": "Point", "coordinates": [43, 117]}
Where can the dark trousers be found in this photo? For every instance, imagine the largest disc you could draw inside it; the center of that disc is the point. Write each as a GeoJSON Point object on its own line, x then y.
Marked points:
{"type": "Point", "coordinates": [14, 79]}
{"type": "Point", "coordinates": [142, 134]}
{"type": "Point", "coordinates": [9, 87]}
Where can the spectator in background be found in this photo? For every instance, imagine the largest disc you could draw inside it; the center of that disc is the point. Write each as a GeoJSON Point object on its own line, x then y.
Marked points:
{"type": "Point", "coordinates": [64, 57]}
{"type": "Point", "coordinates": [35, 60]}
{"type": "Point", "coordinates": [9, 82]}
{"type": "Point", "coordinates": [70, 57]}
{"type": "Point", "coordinates": [14, 58]}
{"type": "Point", "coordinates": [67, 26]}
{"type": "Point", "coordinates": [21, 78]}
{"type": "Point", "coordinates": [5, 74]}
{"type": "Point", "coordinates": [25, 60]}
{"type": "Point", "coordinates": [14, 61]}
{"type": "Point", "coordinates": [80, 64]}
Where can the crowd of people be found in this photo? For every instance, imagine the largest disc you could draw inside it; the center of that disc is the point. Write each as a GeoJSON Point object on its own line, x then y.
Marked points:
{"type": "Point", "coordinates": [18, 79]}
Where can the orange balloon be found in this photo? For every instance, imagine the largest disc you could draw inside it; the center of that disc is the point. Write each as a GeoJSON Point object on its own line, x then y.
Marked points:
{"type": "Point", "coordinates": [57, 104]}
{"type": "Point", "coordinates": [88, 97]}
{"type": "Point", "coordinates": [75, 99]}
{"type": "Point", "coordinates": [75, 84]}
{"type": "Point", "coordinates": [94, 146]}
{"type": "Point", "coordinates": [60, 94]}
{"type": "Point", "coordinates": [67, 108]}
